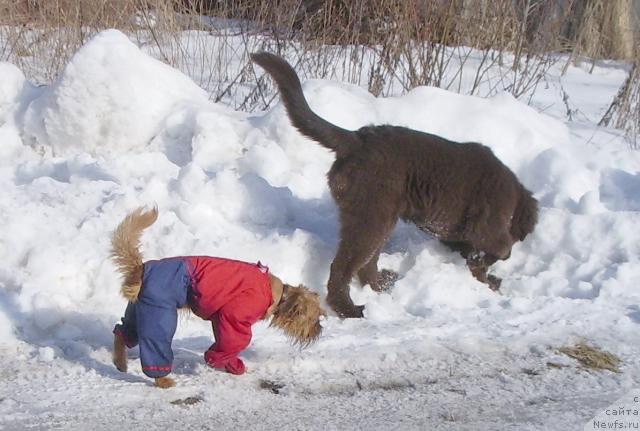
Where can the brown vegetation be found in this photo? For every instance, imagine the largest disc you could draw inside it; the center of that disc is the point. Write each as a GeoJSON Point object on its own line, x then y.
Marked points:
{"type": "Point", "coordinates": [390, 46]}
{"type": "Point", "coordinates": [592, 357]}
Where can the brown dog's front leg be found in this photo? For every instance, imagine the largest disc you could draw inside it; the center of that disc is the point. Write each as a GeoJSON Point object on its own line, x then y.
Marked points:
{"type": "Point", "coordinates": [339, 300]}
{"type": "Point", "coordinates": [338, 291]}
{"type": "Point", "coordinates": [478, 264]}
{"type": "Point", "coordinates": [343, 268]}
{"type": "Point", "coordinates": [362, 236]}
{"type": "Point", "coordinates": [368, 274]}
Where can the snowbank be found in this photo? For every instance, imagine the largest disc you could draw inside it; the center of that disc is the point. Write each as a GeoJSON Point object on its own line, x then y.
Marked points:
{"type": "Point", "coordinates": [123, 129]}
{"type": "Point", "coordinates": [119, 129]}
{"type": "Point", "coordinates": [109, 98]}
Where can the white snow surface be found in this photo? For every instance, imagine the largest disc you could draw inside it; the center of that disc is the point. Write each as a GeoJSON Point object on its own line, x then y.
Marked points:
{"type": "Point", "coordinates": [119, 129]}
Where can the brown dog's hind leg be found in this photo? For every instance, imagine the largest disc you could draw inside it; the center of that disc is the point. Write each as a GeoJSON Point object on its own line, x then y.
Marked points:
{"type": "Point", "coordinates": [368, 274]}
{"type": "Point", "coordinates": [387, 278]}
{"type": "Point", "coordinates": [362, 238]}
{"type": "Point", "coordinates": [338, 298]}
{"type": "Point", "coordinates": [379, 281]}
{"type": "Point", "coordinates": [119, 354]}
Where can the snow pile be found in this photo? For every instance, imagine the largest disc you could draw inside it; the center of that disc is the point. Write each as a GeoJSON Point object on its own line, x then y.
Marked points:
{"type": "Point", "coordinates": [119, 129]}
{"type": "Point", "coordinates": [11, 88]}
{"type": "Point", "coordinates": [134, 131]}
{"type": "Point", "coordinates": [98, 105]}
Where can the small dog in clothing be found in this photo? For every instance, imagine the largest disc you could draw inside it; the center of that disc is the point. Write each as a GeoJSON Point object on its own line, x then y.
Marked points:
{"type": "Point", "coordinates": [233, 295]}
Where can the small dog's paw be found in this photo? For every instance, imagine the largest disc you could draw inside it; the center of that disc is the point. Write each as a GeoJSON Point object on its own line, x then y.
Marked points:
{"type": "Point", "coordinates": [119, 354]}
{"type": "Point", "coordinates": [165, 382]}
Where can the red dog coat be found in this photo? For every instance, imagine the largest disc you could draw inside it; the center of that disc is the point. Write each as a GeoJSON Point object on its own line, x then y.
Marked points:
{"type": "Point", "coordinates": [232, 294]}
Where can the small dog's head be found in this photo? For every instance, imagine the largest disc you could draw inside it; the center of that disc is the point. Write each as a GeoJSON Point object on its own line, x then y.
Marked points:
{"type": "Point", "coordinates": [298, 315]}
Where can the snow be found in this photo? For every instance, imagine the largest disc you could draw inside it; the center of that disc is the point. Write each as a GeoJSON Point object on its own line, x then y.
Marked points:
{"type": "Point", "coordinates": [119, 129]}
{"type": "Point", "coordinates": [98, 106]}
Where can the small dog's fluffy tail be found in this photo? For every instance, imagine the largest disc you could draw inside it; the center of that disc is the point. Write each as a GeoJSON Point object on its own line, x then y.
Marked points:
{"type": "Point", "coordinates": [303, 118]}
{"type": "Point", "coordinates": [125, 250]}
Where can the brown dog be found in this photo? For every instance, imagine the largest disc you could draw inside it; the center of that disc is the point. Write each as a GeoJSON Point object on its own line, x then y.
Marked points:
{"type": "Point", "coordinates": [459, 193]}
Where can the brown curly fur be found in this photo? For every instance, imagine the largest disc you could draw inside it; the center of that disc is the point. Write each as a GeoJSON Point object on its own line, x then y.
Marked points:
{"type": "Point", "coordinates": [298, 315]}
{"type": "Point", "coordinates": [125, 250]}
{"type": "Point", "coordinates": [459, 193]}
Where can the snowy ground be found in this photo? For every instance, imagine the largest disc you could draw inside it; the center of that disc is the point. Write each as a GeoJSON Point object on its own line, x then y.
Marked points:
{"type": "Point", "coordinates": [439, 351]}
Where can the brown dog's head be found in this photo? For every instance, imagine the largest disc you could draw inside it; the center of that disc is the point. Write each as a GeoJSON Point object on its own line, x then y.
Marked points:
{"type": "Point", "coordinates": [298, 315]}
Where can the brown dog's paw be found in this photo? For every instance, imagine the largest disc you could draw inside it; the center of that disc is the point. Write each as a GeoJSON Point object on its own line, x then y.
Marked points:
{"type": "Point", "coordinates": [386, 279]}
{"type": "Point", "coordinates": [358, 312]}
{"type": "Point", "coordinates": [344, 307]}
{"type": "Point", "coordinates": [494, 283]}
{"type": "Point", "coordinates": [165, 382]}
{"type": "Point", "coordinates": [355, 312]}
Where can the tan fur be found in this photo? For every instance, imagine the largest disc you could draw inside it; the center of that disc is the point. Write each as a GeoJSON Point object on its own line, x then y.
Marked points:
{"type": "Point", "coordinates": [165, 382]}
{"type": "Point", "coordinates": [119, 354]}
{"type": "Point", "coordinates": [125, 250]}
{"type": "Point", "coordinates": [298, 315]}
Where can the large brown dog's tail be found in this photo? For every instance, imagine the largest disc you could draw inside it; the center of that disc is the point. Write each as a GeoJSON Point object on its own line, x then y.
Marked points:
{"type": "Point", "coordinates": [303, 118]}
{"type": "Point", "coordinates": [125, 250]}
{"type": "Point", "coordinates": [525, 216]}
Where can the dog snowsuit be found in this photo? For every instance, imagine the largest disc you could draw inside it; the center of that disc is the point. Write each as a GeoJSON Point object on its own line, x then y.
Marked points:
{"type": "Point", "coordinates": [232, 294]}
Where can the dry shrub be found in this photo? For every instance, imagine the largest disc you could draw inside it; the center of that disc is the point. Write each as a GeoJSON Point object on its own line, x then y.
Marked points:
{"type": "Point", "coordinates": [40, 36]}
{"type": "Point", "coordinates": [602, 29]}
{"type": "Point", "coordinates": [624, 111]}
{"type": "Point", "coordinates": [390, 46]}
{"type": "Point", "coordinates": [592, 357]}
